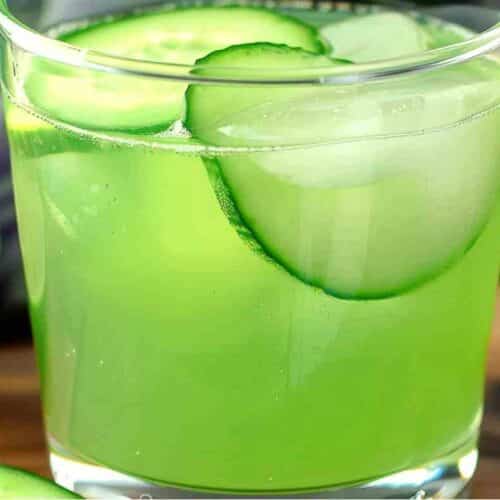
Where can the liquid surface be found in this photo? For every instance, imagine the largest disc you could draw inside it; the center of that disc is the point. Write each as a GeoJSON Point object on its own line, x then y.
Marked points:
{"type": "Point", "coordinates": [205, 320]}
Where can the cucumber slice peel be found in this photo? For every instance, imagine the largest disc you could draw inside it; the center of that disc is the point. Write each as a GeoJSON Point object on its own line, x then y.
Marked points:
{"type": "Point", "coordinates": [17, 483]}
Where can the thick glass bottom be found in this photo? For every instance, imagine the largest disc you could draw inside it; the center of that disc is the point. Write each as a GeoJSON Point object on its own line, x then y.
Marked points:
{"type": "Point", "coordinates": [446, 477]}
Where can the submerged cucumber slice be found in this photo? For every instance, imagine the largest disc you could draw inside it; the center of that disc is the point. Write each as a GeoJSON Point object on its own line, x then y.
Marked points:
{"type": "Point", "coordinates": [367, 192]}
{"type": "Point", "coordinates": [17, 483]}
{"type": "Point", "coordinates": [116, 102]}
{"type": "Point", "coordinates": [377, 36]}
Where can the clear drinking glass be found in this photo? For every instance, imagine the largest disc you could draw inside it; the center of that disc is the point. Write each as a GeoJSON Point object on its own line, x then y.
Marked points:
{"type": "Point", "coordinates": [286, 288]}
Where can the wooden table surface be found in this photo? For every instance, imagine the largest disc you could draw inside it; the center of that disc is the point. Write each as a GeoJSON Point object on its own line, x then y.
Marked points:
{"type": "Point", "coordinates": [22, 441]}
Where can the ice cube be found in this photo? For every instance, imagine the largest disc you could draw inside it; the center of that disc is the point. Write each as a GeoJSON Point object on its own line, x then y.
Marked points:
{"type": "Point", "coordinates": [373, 37]}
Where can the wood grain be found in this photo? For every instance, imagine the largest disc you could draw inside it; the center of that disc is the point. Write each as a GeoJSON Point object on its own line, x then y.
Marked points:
{"type": "Point", "coordinates": [22, 441]}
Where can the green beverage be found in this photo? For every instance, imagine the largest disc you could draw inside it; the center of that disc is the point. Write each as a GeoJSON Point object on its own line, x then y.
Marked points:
{"type": "Point", "coordinates": [259, 288]}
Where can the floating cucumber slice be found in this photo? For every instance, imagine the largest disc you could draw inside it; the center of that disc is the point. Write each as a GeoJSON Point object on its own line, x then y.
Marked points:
{"type": "Point", "coordinates": [17, 483]}
{"type": "Point", "coordinates": [117, 102]}
{"type": "Point", "coordinates": [243, 101]}
{"type": "Point", "coordinates": [185, 35]}
{"type": "Point", "coordinates": [377, 36]}
{"type": "Point", "coordinates": [102, 101]}
{"type": "Point", "coordinates": [366, 192]}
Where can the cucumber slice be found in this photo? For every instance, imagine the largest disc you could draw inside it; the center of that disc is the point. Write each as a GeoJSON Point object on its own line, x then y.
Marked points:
{"type": "Point", "coordinates": [106, 101]}
{"type": "Point", "coordinates": [17, 483]}
{"type": "Point", "coordinates": [207, 120]}
{"type": "Point", "coordinates": [364, 192]}
{"type": "Point", "coordinates": [185, 35]}
{"type": "Point", "coordinates": [377, 36]}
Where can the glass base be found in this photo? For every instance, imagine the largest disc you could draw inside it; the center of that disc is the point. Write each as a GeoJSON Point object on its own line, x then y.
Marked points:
{"type": "Point", "coordinates": [445, 478]}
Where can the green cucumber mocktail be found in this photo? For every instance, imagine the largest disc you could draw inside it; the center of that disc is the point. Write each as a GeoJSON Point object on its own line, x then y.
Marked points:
{"type": "Point", "coordinates": [251, 287]}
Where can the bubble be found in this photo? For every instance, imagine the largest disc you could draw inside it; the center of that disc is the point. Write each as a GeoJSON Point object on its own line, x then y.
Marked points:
{"type": "Point", "coordinates": [177, 129]}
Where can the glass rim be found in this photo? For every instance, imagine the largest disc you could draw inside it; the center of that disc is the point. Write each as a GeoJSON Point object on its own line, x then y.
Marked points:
{"type": "Point", "coordinates": [41, 45]}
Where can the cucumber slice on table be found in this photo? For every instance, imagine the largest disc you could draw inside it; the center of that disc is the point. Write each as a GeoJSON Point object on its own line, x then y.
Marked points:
{"type": "Point", "coordinates": [115, 102]}
{"type": "Point", "coordinates": [344, 200]}
{"type": "Point", "coordinates": [17, 483]}
{"type": "Point", "coordinates": [377, 36]}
